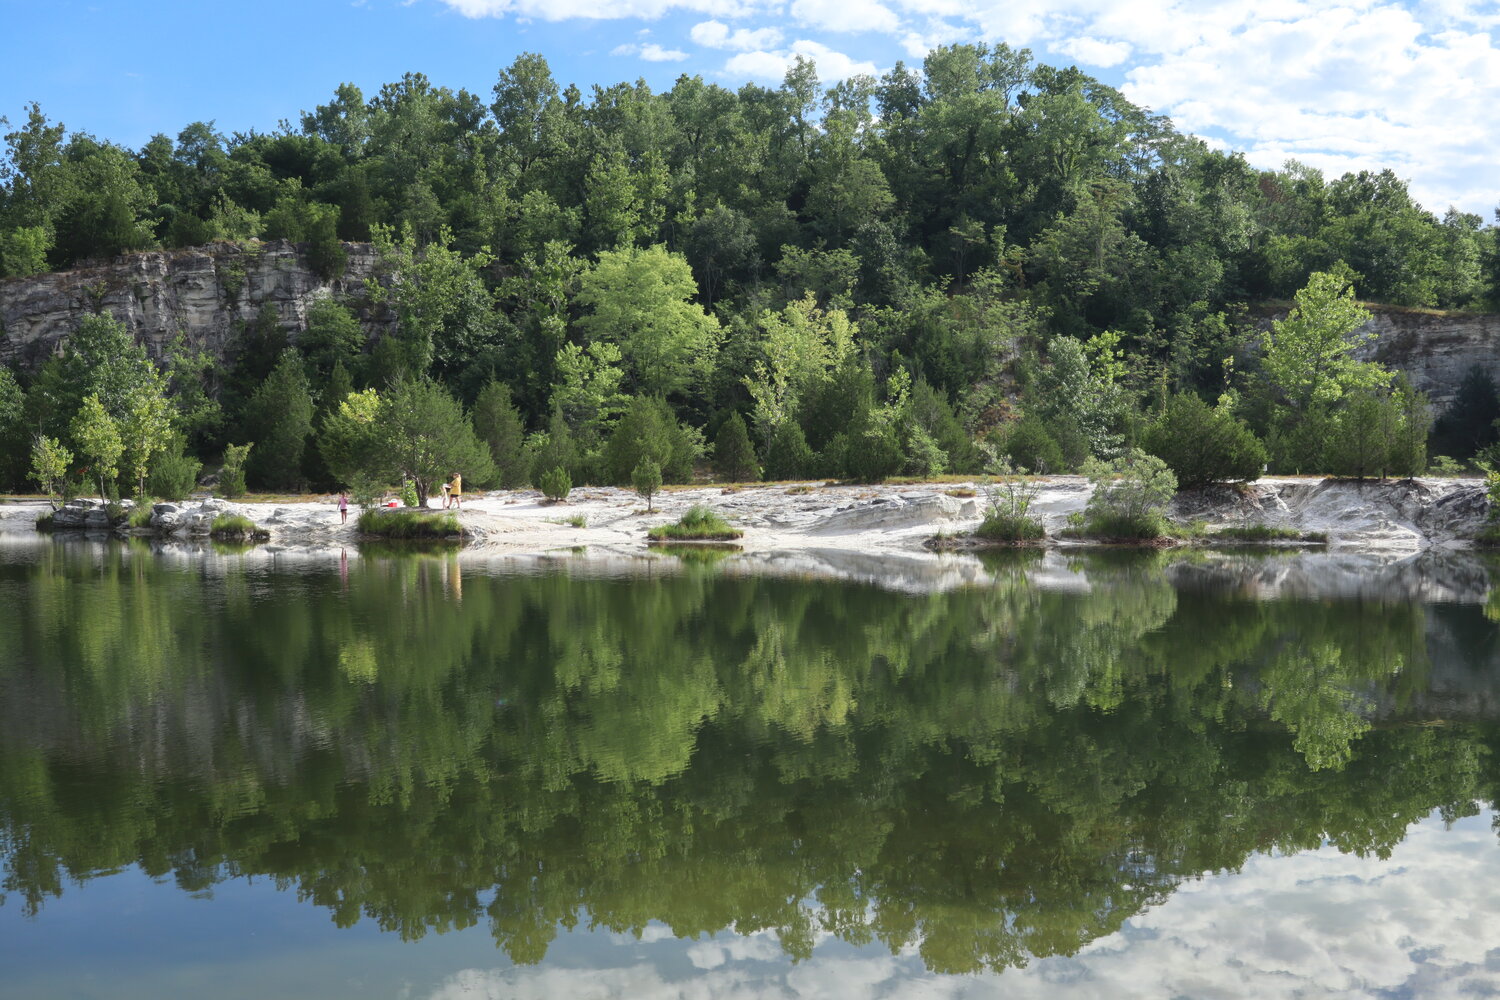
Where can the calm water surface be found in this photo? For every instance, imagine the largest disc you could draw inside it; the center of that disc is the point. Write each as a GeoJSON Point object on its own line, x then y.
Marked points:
{"type": "Point", "coordinates": [407, 776]}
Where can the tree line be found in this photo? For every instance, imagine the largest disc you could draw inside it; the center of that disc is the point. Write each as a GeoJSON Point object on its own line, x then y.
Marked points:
{"type": "Point", "coordinates": [894, 276]}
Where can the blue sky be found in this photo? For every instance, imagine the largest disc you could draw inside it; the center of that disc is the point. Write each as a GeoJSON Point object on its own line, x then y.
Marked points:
{"type": "Point", "coordinates": [1342, 86]}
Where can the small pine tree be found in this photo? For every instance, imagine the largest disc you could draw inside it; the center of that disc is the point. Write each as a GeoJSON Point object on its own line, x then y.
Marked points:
{"type": "Point", "coordinates": [280, 414]}
{"type": "Point", "coordinates": [1204, 445]}
{"type": "Point", "coordinates": [232, 475]}
{"type": "Point", "coordinates": [647, 480]}
{"type": "Point", "coordinates": [788, 455]}
{"type": "Point", "coordinates": [555, 484]}
{"type": "Point", "coordinates": [734, 456]}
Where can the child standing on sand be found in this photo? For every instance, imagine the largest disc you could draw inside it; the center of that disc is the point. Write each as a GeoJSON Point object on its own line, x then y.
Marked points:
{"type": "Point", "coordinates": [343, 507]}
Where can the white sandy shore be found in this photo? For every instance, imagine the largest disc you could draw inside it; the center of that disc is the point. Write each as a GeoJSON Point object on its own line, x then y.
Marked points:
{"type": "Point", "coordinates": [1396, 516]}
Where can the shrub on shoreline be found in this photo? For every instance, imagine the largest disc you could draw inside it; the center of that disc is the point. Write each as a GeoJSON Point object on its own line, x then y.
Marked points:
{"type": "Point", "coordinates": [235, 526]}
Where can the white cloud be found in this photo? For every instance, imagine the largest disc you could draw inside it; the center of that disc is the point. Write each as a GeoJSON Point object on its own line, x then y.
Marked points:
{"type": "Point", "coordinates": [600, 10]}
{"type": "Point", "coordinates": [717, 35]}
{"type": "Point", "coordinates": [846, 15]}
{"type": "Point", "coordinates": [772, 66]}
{"type": "Point", "coordinates": [651, 52]}
{"type": "Point", "coordinates": [1318, 924]}
{"type": "Point", "coordinates": [1093, 52]}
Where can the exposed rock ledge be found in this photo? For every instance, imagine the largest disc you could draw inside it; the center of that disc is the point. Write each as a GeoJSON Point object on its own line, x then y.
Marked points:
{"type": "Point", "coordinates": [1396, 516]}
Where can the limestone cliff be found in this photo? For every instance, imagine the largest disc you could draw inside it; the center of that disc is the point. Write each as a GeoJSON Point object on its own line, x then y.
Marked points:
{"type": "Point", "coordinates": [1435, 349]}
{"type": "Point", "coordinates": [204, 292]}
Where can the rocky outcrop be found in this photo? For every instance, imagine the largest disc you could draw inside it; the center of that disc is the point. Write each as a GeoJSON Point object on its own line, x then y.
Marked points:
{"type": "Point", "coordinates": [1434, 349]}
{"type": "Point", "coordinates": [206, 293]}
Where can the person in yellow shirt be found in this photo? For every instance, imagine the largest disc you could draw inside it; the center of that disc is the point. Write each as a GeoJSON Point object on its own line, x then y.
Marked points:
{"type": "Point", "coordinates": [456, 491]}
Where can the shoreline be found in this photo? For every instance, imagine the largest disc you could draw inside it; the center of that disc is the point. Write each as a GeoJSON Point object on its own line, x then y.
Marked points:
{"type": "Point", "coordinates": [1394, 516]}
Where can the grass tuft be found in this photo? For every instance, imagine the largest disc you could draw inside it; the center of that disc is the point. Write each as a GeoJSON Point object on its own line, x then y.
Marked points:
{"type": "Point", "coordinates": [235, 526]}
{"type": "Point", "coordinates": [1257, 533]}
{"type": "Point", "coordinates": [402, 523]}
{"type": "Point", "coordinates": [1002, 527]}
{"type": "Point", "coordinates": [699, 524]}
{"type": "Point", "coordinates": [140, 516]}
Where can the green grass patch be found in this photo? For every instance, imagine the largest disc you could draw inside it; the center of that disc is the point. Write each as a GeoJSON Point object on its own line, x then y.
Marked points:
{"type": "Point", "coordinates": [573, 520]}
{"type": "Point", "coordinates": [1115, 528]}
{"type": "Point", "coordinates": [1000, 527]}
{"type": "Point", "coordinates": [1257, 533]}
{"type": "Point", "coordinates": [699, 524]}
{"type": "Point", "coordinates": [140, 516]}
{"type": "Point", "coordinates": [235, 526]}
{"type": "Point", "coordinates": [405, 523]}
{"type": "Point", "coordinates": [46, 522]}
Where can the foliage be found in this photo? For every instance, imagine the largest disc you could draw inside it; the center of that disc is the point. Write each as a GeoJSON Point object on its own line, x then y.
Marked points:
{"type": "Point", "coordinates": [98, 437]}
{"type": "Point", "coordinates": [1467, 426]}
{"type": "Point", "coordinates": [734, 455]}
{"type": "Point", "coordinates": [646, 478]}
{"type": "Point", "coordinates": [555, 484]}
{"type": "Point", "coordinates": [232, 472]}
{"type": "Point", "coordinates": [1202, 444]}
{"type": "Point", "coordinates": [1007, 512]}
{"type": "Point", "coordinates": [642, 300]}
{"type": "Point", "coordinates": [422, 435]}
{"type": "Point", "coordinates": [649, 430]}
{"type": "Point", "coordinates": [787, 454]}
{"type": "Point", "coordinates": [1130, 496]}
{"type": "Point", "coordinates": [280, 419]}
{"type": "Point", "coordinates": [498, 424]}
{"type": "Point", "coordinates": [50, 462]}
{"type": "Point", "coordinates": [174, 473]}
{"type": "Point", "coordinates": [700, 524]}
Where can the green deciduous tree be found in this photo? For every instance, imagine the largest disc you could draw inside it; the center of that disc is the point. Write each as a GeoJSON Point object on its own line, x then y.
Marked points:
{"type": "Point", "coordinates": [425, 437]}
{"type": "Point", "coordinates": [50, 464]}
{"type": "Point", "coordinates": [98, 437]}
{"type": "Point", "coordinates": [643, 301]}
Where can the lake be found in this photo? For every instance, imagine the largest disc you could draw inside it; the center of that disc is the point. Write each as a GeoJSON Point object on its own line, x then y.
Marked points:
{"type": "Point", "coordinates": [426, 776]}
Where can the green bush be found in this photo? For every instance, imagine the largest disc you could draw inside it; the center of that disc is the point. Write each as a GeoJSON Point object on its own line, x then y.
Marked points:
{"type": "Point", "coordinates": [232, 475]}
{"type": "Point", "coordinates": [555, 485]}
{"type": "Point", "coordinates": [788, 455]}
{"type": "Point", "coordinates": [405, 523]}
{"type": "Point", "coordinates": [174, 474]}
{"type": "Point", "coordinates": [140, 516]}
{"type": "Point", "coordinates": [1202, 444]}
{"type": "Point", "coordinates": [409, 496]}
{"type": "Point", "coordinates": [700, 523]}
{"type": "Point", "coordinates": [1007, 516]}
{"type": "Point", "coordinates": [1029, 445]}
{"type": "Point", "coordinates": [734, 455]}
{"type": "Point", "coordinates": [1130, 496]}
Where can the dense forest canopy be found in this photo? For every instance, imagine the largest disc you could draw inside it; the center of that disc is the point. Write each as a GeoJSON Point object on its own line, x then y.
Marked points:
{"type": "Point", "coordinates": [878, 277]}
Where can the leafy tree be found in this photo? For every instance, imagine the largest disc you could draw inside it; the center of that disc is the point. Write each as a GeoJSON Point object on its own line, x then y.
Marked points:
{"type": "Point", "coordinates": [23, 251]}
{"type": "Point", "coordinates": [803, 346]}
{"type": "Point", "coordinates": [332, 337]}
{"type": "Point", "coordinates": [1202, 444]}
{"type": "Point", "coordinates": [50, 464]}
{"type": "Point", "coordinates": [425, 437]}
{"type": "Point", "coordinates": [642, 300]}
{"type": "Point", "coordinates": [98, 437]}
{"type": "Point", "coordinates": [1029, 445]}
{"type": "Point", "coordinates": [350, 438]}
{"type": "Point", "coordinates": [102, 359]}
{"type": "Point", "coordinates": [146, 428]}
{"type": "Point", "coordinates": [1308, 357]}
{"type": "Point", "coordinates": [734, 455]}
{"type": "Point", "coordinates": [498, 424]}
{"type": "Point", "coordinates": [279, 416]}
{"type": "Point", "coordinates": [646, 478]}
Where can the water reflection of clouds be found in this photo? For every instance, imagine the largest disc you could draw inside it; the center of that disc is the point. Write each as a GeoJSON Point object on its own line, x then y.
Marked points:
{"type": "Point", "coordinates": [1425, 923]}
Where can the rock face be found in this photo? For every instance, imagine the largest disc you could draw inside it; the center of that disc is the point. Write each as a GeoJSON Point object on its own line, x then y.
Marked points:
{"type": "Point", "coordinates": [204, 292]}
{"type": "Point", "coordinates": [1435, 350]}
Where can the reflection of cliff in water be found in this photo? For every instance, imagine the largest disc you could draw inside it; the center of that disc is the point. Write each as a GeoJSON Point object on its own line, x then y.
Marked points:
{"type": "Point", "coordinates": [990, 773]}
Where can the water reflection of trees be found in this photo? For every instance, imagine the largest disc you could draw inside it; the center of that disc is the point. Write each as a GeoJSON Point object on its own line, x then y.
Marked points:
{"type": "Point", "coordinates": [991, 774]}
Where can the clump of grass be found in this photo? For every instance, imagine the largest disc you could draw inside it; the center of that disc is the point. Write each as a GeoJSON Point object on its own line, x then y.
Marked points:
{"type": "Point", "coordinates": [408, 523]}
{"type": "Point", "coordinates": [1115, 527]}
{"type": "Point", "coordinates": [999, 526]}
{"type": "Point", "coordinates": [46, 522]}
{"type": "Point", "coordinates": [962, 492]}
{"type": "Point", "coordinates": [699, 524]}
{"type": "Point", "coordinates": [574, 520]}
{"type": "Point", "coordinates": [797, 491]}
{"type": "Point", "coordinates": [1258, 533]}
{"type": "Point", "coordinates": [235, 526]}
{"type": "Point", "coordinates": [140, 516]}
